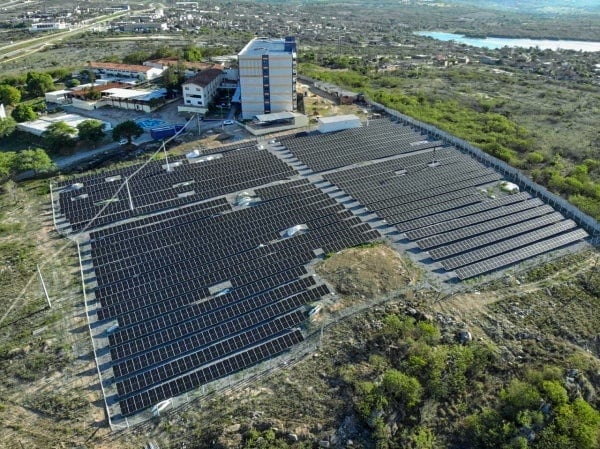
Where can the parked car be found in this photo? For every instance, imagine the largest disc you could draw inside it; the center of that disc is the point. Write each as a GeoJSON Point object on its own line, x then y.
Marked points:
{"type": "Point", "coordinates": [228, 122]}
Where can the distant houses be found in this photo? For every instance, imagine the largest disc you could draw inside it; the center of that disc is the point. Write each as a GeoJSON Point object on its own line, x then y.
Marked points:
{"type": "Point", "coordinates": [49, 26]}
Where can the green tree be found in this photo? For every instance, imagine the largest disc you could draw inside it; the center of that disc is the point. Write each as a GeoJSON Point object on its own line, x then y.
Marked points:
{"type": "Point", "coordinates": [171, 80]}
{"type": "Point", "coordinates": [23, 113]}
{"type": "Point", "coordinates": [555, 392]}
{"type": "Point", "coordinates": [402, 388]}
{"type": "Point", "coordinates": [128, 130]}
{"type": "Point", "coordinates": [91, 130]}
{"type": "Point", "coordinates": [7, 126]}
{"type": "Point", "coordinates": [192, 53]}
{"type": "Point", "coordinates": [92, 94]}
{"type": "Point", "coordinates": [9, 95]}
{"type": "Point", "coordinates": [164, 51]}
{"type": "Point", "coordinates": [88, 75]}
{"type": "Point", "coordinates": [575, 425]}
{"type": "Point", "coordinates": [12, 163]}
{"type": "Point", "coordinates": [7, 164]}
{"type": "Point", "coordinates": [39, 83]}
{"type": "Point", "coordinates": [136, 57]}
{"type": "Point", "coordinates": [60, 73]}
{"type": "Point", "coordinates": [73, 82]}
{"type": "Point", "coordinates": [60, 137]}
{"type": "Point", "coordinates": [36, 160]}
{"type": "Point", "coordinates": [520, 395]}
{"type": "Point", "coordinates": [487, 430]}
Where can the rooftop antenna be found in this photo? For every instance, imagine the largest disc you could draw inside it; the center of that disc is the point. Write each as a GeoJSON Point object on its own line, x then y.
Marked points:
{"type": "Point", "coordinates": [44, 287]}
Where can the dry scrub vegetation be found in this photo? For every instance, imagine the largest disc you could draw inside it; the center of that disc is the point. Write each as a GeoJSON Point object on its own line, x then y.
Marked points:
{"type": "Point", "coordinates": [392, 373]}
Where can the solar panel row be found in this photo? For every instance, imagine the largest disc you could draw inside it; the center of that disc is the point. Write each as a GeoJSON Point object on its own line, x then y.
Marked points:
{"type": "Point", "coordinates": [378, 140]}
{"type": "Point", "coordinates": [199, 290]}
{"type": "Point", "coordinates": [154, 189]}
{"type": "Point", "coordinates": [158, 280]}
{"type": "Point", "coordinates": [521, 254]}
{"type": "Point", "coordinates": [196, 356]}
{"type": "Point", "coordinates": [434, 197]}
{"type": "Point", "coordinates": [209, 373]}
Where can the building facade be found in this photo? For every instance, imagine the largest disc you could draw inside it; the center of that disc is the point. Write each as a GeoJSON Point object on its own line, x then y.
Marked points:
{"type": "Point", "coordinates": [200, 90]}
{"type": "Point", "coordinates": [268, 72]}
{"type": "Point", "coordinates": [48, 26]}
{"type": "Point", "coordinates": [114, 70]}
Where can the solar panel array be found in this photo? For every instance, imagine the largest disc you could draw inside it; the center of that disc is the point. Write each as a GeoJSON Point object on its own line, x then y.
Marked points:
{"type": "Point", "coordinates": [436, 197]}
{"type": "Point", "coordinates": [380, 139]}
{"type": "Point", "coordinates": [431, 195]}
{"type": "Point", "coordinates": [204, 290]}
{"type": "Point", "coordinates": [107, 198]}
{"type": "Point", "coordinates": [194, 287]}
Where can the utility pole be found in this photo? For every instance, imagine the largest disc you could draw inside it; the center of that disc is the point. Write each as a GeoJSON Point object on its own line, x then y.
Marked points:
{"type": "Point", "coordinates": [129, 193]}
{"type": "Point", "coordinates": [44, 287]}
{"type": "Point", "coordinates": [166, 156]}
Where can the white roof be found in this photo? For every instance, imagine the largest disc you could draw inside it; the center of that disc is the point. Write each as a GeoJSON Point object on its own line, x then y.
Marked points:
{"type": "Point", "coordinates": [339, 118]}
{"type": "Point", "coordinates": [146, 95]}
{"type": "Point", "coordinates": [40, 125]}
{"type": "Point", "coordinates": [263, 46]}
{"type": "Point", "coordinates": [276, 116]}
{"type": "Point", "coordinates": [59, 92]}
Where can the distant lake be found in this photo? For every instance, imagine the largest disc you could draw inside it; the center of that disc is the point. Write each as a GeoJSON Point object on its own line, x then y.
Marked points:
{"type": "Point", "coordinates": [499, 42]}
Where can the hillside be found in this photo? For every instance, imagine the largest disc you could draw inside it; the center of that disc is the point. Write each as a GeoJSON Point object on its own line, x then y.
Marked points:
{"type": "Point", "coordinates": [571, 7]}
{"type": "Point", "coordinates": [535, 331]}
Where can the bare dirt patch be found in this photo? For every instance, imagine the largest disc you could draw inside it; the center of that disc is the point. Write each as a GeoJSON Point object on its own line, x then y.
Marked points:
{"type": "Point", "coordinates": [366, 271]}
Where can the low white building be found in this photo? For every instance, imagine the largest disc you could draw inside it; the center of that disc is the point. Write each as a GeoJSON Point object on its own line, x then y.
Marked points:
{"type": "Point", "coordinates": [139, 72]}
{"type": "Point", "coordinates": [37, 127]}
{"type": "Point", "coordinates": [201, 89]}
{"type": "Point", "coordinates": [137, 27]}
{"type": "Point", "coordinates": [2, 112]}
{"type": "Point", "coordinates": [338, 123]}
{"type": "Point", "coordinates": [49, 26]}
{"type": "Point", "coordinates": [58, 96]}
{"type": "Point", "coordinates": [117, 97]}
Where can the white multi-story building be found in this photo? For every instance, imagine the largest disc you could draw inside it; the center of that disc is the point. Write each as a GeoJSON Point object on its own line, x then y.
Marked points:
{"type": "Point", "coordinates": [200, 90]}
{"type": "Point", "coordinates": [267, 70]}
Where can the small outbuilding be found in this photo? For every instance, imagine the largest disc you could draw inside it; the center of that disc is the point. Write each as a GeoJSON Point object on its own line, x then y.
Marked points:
{"type": "Point", "coordinates": [338, 123]}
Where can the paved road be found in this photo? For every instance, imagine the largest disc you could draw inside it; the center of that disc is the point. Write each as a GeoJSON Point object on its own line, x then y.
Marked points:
{"type": "Point", "coordinates": [63, 162]}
